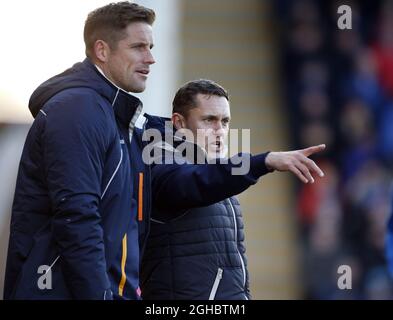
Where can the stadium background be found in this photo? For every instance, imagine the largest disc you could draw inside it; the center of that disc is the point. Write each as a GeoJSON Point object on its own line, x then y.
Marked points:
{"type": "Point", "coordinates": [294, 79]}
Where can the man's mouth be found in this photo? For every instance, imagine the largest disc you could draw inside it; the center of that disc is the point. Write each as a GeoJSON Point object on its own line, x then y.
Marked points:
{"type": "Point", "coordinates": [143, 72]}
{"type": "Point", "coordinates": [217, 145]}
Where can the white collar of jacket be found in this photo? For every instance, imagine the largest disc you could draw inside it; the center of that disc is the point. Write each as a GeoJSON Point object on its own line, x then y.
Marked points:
{"type": "Point", "coordinates": [103, 74]}
{"type": "Point", "coordinates": [138, 111]}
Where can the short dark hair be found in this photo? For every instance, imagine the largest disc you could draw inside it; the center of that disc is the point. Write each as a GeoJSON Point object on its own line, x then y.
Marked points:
{"type": "Point", "coordinates": [185, 100]}
{"type": "Point", "coordinates": [108, 23]}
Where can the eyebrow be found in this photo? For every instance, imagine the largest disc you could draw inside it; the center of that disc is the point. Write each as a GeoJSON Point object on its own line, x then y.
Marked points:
{"type": "Point", "coordinates": [136, 44]}
{"type": "Point", "coordinates": [212, 116]}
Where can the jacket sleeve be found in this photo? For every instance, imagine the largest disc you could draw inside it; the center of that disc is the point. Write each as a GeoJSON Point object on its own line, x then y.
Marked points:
{"type": "Point", "coordinates": [75, 138]}
{"type": "Point", "coordinates": [183, 186]}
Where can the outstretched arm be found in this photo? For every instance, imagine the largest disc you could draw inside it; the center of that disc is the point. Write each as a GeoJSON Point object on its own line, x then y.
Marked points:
{"type": "Point", "coordinates": [181, 186]}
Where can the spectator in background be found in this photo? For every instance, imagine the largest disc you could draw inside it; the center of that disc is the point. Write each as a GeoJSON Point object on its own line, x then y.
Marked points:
{"type": "Point", "coordinates": [358, 92]}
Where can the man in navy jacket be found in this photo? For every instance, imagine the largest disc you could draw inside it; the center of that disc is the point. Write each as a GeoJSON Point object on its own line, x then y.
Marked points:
{"type": "Point", "coordinates": [196, 245]}
{"type": "Point", "coordinates": [78, 202]}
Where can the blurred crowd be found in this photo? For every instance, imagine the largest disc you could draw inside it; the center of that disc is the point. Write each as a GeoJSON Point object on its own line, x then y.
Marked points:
{"type": "Point", "coordinates": [339, 91]}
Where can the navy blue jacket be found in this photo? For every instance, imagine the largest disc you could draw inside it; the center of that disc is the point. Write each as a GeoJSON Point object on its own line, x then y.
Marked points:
{"type": "Point", "coordinates": [196, 245]}
{"type": "Point", "coordinates": [82, 193]}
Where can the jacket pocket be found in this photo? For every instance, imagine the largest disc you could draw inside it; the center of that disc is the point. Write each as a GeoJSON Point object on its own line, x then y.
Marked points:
{"type": "Point", "coordinates": [216, 284]}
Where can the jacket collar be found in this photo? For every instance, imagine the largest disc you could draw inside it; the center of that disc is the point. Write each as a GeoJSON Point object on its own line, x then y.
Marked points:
{"type": "Point", "coordinates": [127, 107]}
{"type": "Point", "coordinates": [171, 140]}
{"type": "Point", "coordinates": [85, 74]}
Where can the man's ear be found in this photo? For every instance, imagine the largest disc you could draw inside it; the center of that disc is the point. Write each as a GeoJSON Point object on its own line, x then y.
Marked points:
{"type": "Point", "coordinates": [178, 121]}
{"type": "Point", "coordinates": [101, 50]}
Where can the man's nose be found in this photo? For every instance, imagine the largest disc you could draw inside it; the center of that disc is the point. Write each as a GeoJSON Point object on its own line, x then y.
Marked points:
{"type": "Point", "coordinates": [219, 130]}
{"type": "Point", "coordinates": [149, 59]}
